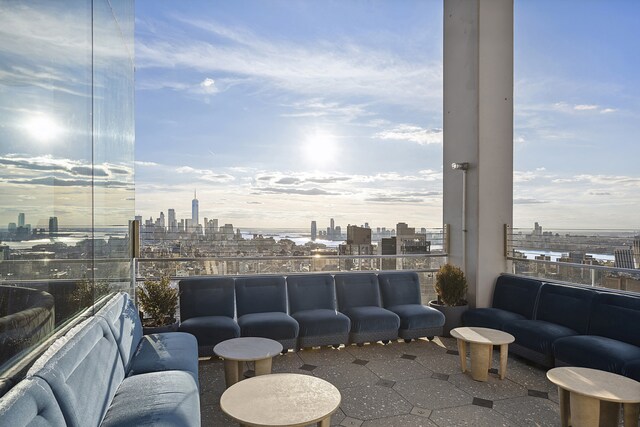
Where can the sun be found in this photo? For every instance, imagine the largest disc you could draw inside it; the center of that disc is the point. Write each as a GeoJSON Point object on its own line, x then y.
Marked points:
{"type": "Point", "coordinates": [320, 148]}
{"type": "Point", "coordinates": [42, 127]}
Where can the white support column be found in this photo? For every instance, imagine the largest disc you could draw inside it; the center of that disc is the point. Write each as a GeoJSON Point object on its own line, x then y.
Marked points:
{"type": "Point", "coordinates": [478, 129]}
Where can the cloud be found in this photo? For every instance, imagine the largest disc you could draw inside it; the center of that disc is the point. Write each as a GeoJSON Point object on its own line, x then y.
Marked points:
{"type": "Point", "coordinates": [318, 107]}
{"type": "Point", "coordinates": [208, 86]}
{"type": "Point", "coordinates": [288, 181]}
{"type": "Point", "coordinates": [528, 201]}
{"type": "Point", "coordinates": [585, 107]}
{"type": "Point", "coordinates": [608, 110]}
{"type": "Point", "coordinates": [142, 163]}
{"type": "Point", "coordinates": [601, 179]}
{"type": "Point", "coordinates": [60, 182]}
{"type": "Point", "coordinates": [205, 174]}
{"type": "Point", "coordinates": [309, 192]}
{"type": "Point", "coordinates": [411, 133]}
{"type": "Point", "coordinates": [72, 168]}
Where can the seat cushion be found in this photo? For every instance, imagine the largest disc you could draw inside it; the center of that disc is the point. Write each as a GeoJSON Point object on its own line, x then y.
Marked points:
{"type": "Point", "coordinates": [206, 296]}
{"type": "Point", "coordinates": [417, 316]}
{"type": "Point", "coordinates": [310, 292]}
{"type": "Point", "coordinates": [211, 330]}
{"type": "Point", "coordinates": [357, 290]}
{"type": "Point", "coordinates": [632, 369]}
{"type": "Point", "coordinates": [274, 325]}
{"type": "Point", "coordinates": [537, 335]}
{"type": "Point", "coordinates": [372, 319]}
{"type": "Point", "coordinates": [168, 398]}
{"type": "Point", "coordinates": [321, 322]}
{"type": "Point", "coordinates": [30, 403]}
{"type": "Point", "coordinates": [166, 352]}
{"type": "Point", "coordinates": [568, 306]}
{"type": "Point", "coordinates": [592, 351]}
{"type": "Point", "coordinates": [516, 294]}
{"type": "Point", "coordinates": [494, 318]}
{"type": "Point", "coordinates": [261, 294]}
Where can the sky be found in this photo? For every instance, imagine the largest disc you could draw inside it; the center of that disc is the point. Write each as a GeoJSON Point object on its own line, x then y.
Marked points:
{"type": "Point", "coordinates": [282, 112]}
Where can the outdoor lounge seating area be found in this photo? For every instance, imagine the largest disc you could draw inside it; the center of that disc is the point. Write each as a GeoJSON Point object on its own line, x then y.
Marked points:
{"type": "Point", "coordinates": [306, 310]}
{"type": "Point", "coordinates": [563, 325]}
{"type": "Point", "coordinates": [105, 372]}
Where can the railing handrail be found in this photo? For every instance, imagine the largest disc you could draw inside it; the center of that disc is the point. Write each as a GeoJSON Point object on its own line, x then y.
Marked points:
{"type": "Point", "coordinates": [291, 257]}
{"type": "Point", "coordinates": [634, 271]}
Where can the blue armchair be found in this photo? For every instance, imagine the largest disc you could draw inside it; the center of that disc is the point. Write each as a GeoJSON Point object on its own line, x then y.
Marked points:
{"type": "Point", "coordinates": [358, 297]}
{"type": "Point", "coordinates": [312, 302]}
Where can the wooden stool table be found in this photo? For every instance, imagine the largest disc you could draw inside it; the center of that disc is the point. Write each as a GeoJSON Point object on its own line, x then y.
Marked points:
{"type": "Point", "coordinates": [289, 400]}
{"type": "Point", "coordinates": [236, 351]}
{"type": "Point", "coordinates": [591, 397]}
{"type": "Point", "coordinates": [482, 341]}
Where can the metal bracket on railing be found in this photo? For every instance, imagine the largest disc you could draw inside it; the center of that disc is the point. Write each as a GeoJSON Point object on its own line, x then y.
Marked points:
{"type": "Point", "coordinates": [447, 238]}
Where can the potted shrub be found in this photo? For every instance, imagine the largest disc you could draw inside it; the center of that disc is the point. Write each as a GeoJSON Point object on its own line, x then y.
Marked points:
{"type": "Point", "coordinates": [158, 301]}
{"type": "Point", "coordinates": [451, 287]}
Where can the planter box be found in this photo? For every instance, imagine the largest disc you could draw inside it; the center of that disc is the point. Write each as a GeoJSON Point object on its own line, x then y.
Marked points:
{"type": "Point", "coordinates": [452, 316]}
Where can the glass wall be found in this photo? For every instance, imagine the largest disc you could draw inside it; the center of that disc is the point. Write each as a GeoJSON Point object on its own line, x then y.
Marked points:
{"type": "Point", "coordinates": [66, 163]}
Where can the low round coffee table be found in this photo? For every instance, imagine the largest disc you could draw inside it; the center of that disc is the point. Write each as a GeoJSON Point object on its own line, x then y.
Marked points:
{"type": "Point", "coordinates": [236, 351]}
{"type": "Point", "coordinates": [482, 341]}
{"type": "Point", "coordinates": [281, 400]}
{"type": "Point", "coordinates": [593, 397]}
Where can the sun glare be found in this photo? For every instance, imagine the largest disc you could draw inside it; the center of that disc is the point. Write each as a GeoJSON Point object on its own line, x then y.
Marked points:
{"type": "Point", "coordinates": [43, 128]}
{"type": "Point", "coordinates": [320, 148]}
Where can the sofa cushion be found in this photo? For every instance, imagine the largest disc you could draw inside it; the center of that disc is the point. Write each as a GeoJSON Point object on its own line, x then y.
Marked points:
{"type": "Point", "coordinates": [616, 316]}
{"type": "Point", "coordinates": [311, 291]}
{"type": "Point", "coordinates": [372, 319]}
{"type": "Point", "coordinates": [211, 330]}
{"type": "Point", "coordinates": [494, 318]}
{"type": "Point", "coordinates": [632, 369]}
{"type": "Point", "coordinates": [122, 317]}
{"type": "Point", "coordinates": [165, 352]}
{"type": "Point", "coordinates": [357, 290]}
{"type": "Point", "coordinates": [84, 370]}
{"type": "Point", "coordinates": [595, 352]}
{"type": "Point", "coordinates": [168, 398]}
{"type": "Point", "coordinates": [399, 288]}
{"type": "Point", "coordinates": [537, 335]}
{"type": "Point", "coordinates": [261, 294]}
{"type": "Point", "coordinates": [565, 305]}
{"type": "Point", "coordinates": [417, 316]}
{"type": "Point", "coordinates": [206, 296]}
{"type": "Point", "coordinates": [276, 325]}
{"type": "Point", "coordinates": [30, 403]}
{"type": "Point", "coordinates": [321, 322]}
{"type": "Point", "coordinates": [516, 294]}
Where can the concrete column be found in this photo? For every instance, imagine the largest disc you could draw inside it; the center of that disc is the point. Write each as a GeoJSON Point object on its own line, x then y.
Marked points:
{"type": "Point", "coordinates": [478, 129]}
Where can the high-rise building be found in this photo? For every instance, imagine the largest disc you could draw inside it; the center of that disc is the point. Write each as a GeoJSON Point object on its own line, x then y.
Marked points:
{"type": "Point", "coordinates": [53, 225]}
{"type": "Point", "coordinates": [623, 258]}
{"type": "Point", "coordinates": [636, 251]}
{"type": "Point", "coordinates": [194, 210]}
{"type": "Point", "coordinates": [314, 231]}
{"type": "Point", "coordinates": [21, 219]}
{"type": "Point", "coordinates": [172, 223]}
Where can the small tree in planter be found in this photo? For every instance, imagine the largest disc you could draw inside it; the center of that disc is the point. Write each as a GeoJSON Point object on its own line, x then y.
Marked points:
{"type": "Point", "coordinates": [451, 287]}
{"type": "Point", "coordinates": [158, 301]}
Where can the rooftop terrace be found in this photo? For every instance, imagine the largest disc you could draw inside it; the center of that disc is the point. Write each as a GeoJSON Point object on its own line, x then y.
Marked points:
{"type": "Point", "coordinates": [415, 384]}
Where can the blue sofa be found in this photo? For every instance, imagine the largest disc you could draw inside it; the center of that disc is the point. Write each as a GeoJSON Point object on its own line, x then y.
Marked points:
{"type": "Point", "coordinates": [104, 372]}
{"type": "Point", "coordinates": [312, 302]}
{"type": "Point", "coordinates": [570, 326]}
{"type": "Point", "coordinates": [262, 310]}
{"type": "Point", "coordinates": [207, 311]}
{"type": "Point", "coordinates": [400, 293]}
{"type": "Point", "coordinates": [358, 297]}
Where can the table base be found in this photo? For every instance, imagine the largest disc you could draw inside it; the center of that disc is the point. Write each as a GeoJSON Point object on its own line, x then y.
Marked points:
{"type": "Point", "coordinates": [580, 410]}
{"type": "Point", "coordinates": [234, 369]}
{"type": "Point", "coordinates": [481, 358]}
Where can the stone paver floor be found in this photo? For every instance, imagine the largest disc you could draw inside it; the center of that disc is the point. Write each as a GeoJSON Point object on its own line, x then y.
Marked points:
{"type": "Point", "coordinates": [415, 384]}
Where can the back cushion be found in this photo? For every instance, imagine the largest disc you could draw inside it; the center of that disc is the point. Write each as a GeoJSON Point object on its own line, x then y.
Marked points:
{"type": "Point", "coordinates": [357, 290]}
{"type": "Point", "coordinates": [206, 296]}
{"type": "Point", "coordinates": [566, 306]}
{"type": "Point", "coordinates": [399, 288]}
{"type": "Point", "coordinates": [261, 295]}
{"type": "Point", "coordinates": [616, 316]}
{"type": "Point", "coordinates": [84, 370]}
{"type": "Point", "coordinates": [311, 291]}
{"type": "Point", "coordinates": [516, 294]}
{"type": "Point", "coordinates": [122, 317]}
{"type": "Point", "coordinates": [30, 403]}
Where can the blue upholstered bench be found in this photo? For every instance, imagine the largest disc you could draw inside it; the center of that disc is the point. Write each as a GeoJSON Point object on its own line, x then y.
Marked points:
{"type": "Point", "coordinates": [358, 297]}
{"type": "Point", "coordinates": [104, 372]}
{"type": "Point", "coordinates": [401, 294]}
{"type": "Point", "coordinates": [514, 298]}
{"type": "Point", "coordinates": [632, 369]}
{"type": "Point", "coordinates": [312, 302]}
{"type": "Point", "coordinates": [562, 311]}
{"type": "Point", "coordinates": [612, 339]}
{"type": "Point", "coordinates": [261, 303]}
{"type": "Point", "coordinates": [207, 306]}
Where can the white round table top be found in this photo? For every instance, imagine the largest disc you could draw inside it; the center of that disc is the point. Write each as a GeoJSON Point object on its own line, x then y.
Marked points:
{"type": "Point", "coordinates": [602, 385]}
{"type": "Point", "coordinates": [482, 335]}
{"type": "Point", "coordinates": [280, 400]}
{"type": "Point", "coordinates": [247, 348]}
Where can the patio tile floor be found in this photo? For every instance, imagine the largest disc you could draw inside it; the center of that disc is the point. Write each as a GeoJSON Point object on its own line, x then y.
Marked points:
{"type": "Point", "coordinates": [416, 384]}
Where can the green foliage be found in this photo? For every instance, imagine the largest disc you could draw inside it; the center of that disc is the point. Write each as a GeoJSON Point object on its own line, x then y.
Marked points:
{"type": "Point", "coordinates": [451, 285]}
{"type": "Point", "coordinates": [158, 300]}
{"type": "Point", "coordinates": [84, 294]}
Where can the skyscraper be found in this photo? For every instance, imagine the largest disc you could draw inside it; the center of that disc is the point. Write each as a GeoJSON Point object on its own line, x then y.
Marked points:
{"type": "Point", "coordinates": [21, 219]}
{"type": "Point", "coordinates": [53, 225]}
{"type": "Point", "coordinates": [172, 224]}
{"type": "Point", "coordinates": [194, 210]}
{"type": "Point", "coordinates": [314, 230]}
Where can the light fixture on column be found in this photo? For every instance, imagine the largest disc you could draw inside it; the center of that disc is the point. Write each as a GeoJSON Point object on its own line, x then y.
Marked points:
{"type": "Point", "coordinates": [464, 166]}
